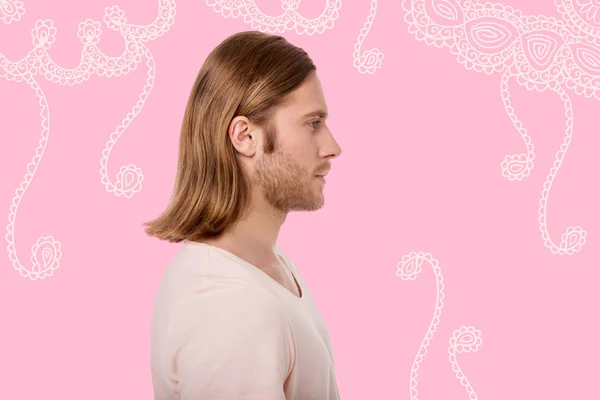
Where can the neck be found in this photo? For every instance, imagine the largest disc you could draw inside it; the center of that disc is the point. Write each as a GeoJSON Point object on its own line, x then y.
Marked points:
{"type": "Point", "coordinates": [255, 235]}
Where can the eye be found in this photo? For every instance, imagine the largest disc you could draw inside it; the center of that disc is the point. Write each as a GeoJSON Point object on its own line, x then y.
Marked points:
{"type": "Point", "coordinates": [315, 122]}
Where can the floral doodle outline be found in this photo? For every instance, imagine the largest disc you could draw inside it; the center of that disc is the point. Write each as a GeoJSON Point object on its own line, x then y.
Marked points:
{"type": "Point", "coordinates": [370, 60]}
{"type": "Point", "coordinates": [46, 252]}
{"type": "Point", "coordinates": [289, 20]}
{"type": "Point", "coordinates": [541, 53]}
{"type": "Point", "coordinates": [407, 269]}
{"type": "Point", "coordinates": [464, 340]}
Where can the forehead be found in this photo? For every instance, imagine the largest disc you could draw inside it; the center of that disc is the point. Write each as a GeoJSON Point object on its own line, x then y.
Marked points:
{"type": "Point", "coordinates": [307, 100]}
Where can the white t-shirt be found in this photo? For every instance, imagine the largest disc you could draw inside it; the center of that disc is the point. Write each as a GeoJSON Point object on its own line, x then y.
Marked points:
{"type": "Point", "coordinates": [224, 330]}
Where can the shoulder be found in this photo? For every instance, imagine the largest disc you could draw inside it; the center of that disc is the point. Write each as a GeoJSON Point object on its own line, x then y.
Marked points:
{"type": "Point", "coordinates": [225, 305]}
{"type": "Point", "coordinates": [226, 321]}
{"type": "Point", "coordinates": [213, 291]}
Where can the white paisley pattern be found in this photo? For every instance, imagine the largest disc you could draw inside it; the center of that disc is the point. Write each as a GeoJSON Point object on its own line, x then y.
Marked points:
{"type": "Point", "coordinates": [46, 253]}
{"type": "Point", "coordinates": [464, 340]}
{"type": "Point", "coordinates": [370, 60]}
{"type": "Point", "coordinates": [289, 20]}
{"type": "Point", "coordinates": [11, 11]}
{"type": "Point", "coordinates": [539, 52]}
{"type": "Point", "coordinates": [408, 268]}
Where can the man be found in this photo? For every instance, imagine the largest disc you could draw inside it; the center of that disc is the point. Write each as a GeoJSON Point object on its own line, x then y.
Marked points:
{"type": "Point", "coordinates": [233, 318]}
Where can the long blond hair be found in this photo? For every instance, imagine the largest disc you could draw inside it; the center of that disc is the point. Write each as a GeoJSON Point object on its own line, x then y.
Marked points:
{"type": "Point", "coordinates": [249, 73]}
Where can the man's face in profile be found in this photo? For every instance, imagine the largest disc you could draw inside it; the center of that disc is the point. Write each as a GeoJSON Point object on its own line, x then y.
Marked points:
{"type": "Point", "coordinates": [303, 147]}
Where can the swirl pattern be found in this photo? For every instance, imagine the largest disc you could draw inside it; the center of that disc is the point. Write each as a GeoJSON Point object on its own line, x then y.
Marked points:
{"type": "Point", "coordinates": [368, 61]}
{"type": "Point", "coordinates": [407, 269]}
{"type": "Point", "coordinates": [539, 52]}
{"type": "Point", "coordinates": [46, 252]}
{"type": "Point", "coordinates": [289, 20]}
{"type": "Point", "coordinates": [11, 11]}
{"type": "Point", "coordinates": [464, 340]}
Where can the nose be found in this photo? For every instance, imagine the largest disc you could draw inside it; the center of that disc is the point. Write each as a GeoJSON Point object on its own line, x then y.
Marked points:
{"type": "Point", "coordinates": [332, 149]}
{"type": "Point", "coordinates": [337, 149]}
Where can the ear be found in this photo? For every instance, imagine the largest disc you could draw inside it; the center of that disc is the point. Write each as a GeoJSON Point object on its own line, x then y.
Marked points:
{"type": "Point", "coordinates": [244, 136]}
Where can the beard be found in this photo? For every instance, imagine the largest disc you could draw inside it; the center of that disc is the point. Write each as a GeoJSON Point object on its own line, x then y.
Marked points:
{"type": "Point", "coordinates": [286, 185]}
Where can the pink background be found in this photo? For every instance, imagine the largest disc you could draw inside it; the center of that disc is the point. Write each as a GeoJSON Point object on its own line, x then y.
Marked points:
{"type": "Point", "coordinates": [423, 138]}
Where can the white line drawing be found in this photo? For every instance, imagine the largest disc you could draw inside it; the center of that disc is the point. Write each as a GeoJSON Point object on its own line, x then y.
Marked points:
{"type": "Point", "coordinates": [407, 269]}
{"type": "Point", "coordinates": [46, 253]}
{"type": "Point", "coordinates": [289, 20]}
{"type": "Point", "coordinates": [539, 52]}
{"type": "Point", "coordinates": [370, 60]}
{"type": "Point", "coordinates": [464, 340]}
{"type": "Point", "coordinates": [11, 11]}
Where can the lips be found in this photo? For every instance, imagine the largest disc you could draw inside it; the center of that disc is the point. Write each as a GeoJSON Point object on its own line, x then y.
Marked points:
{"type": "Point", "coordinates": [322, 175]}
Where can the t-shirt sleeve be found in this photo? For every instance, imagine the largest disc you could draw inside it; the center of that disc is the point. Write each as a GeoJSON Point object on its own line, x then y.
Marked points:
{"type": "Point", "coordinates": [235, 343]}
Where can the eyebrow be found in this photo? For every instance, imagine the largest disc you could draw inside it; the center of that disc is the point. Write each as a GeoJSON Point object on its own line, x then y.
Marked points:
{"type": "Point", "coordinates": [319, 113]}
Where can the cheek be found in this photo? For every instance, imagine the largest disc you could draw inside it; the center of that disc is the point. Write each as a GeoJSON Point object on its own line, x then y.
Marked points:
{"type": "Point", "coordinates": [289, 164]}
{"type": "Point", "coordinates": [299, 147]}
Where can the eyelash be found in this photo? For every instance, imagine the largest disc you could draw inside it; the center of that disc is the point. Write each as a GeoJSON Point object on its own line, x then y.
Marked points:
{"type": "Point", "coordinates": [316, 122]}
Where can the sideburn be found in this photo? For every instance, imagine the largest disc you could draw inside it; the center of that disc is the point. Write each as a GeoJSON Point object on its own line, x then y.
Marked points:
{"type": "Point", "coordinates": [270, 140]}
